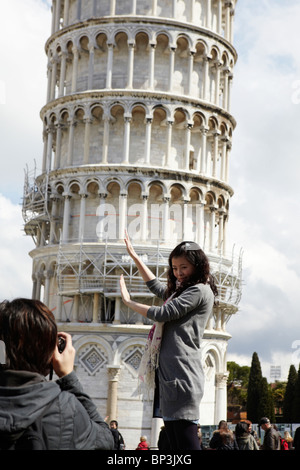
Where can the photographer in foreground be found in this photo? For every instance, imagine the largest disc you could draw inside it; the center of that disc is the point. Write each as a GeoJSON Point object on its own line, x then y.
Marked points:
{"type": "Point", "coordinates": [67, 417]}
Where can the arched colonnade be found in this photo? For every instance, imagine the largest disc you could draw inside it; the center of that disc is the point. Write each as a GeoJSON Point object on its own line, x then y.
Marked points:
{"type": "Point", "coordinates": [91, 209]}
{"type": "Point", "coordinates": [216, 15]}
{"type": "Point", "coordinates": [128, 132]}
{"type": "Point", "coordinates": [155, 59]}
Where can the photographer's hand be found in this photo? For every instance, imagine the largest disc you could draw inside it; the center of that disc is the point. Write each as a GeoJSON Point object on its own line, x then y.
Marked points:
{"type": "Point", "coordinates": [63, 363]}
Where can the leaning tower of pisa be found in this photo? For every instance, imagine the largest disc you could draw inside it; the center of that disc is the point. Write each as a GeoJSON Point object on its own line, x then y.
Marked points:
{"type": "Point", "coordinates": [137, 135]}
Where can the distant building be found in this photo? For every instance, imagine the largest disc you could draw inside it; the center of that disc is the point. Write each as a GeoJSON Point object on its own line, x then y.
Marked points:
{"type": "Point", "coordinates": [275, 373]}
{"type": "Point", "coordinates": [137, 134]}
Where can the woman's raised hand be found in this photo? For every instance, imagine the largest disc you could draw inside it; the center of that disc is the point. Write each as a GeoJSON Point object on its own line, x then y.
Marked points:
{"type": "Point", "coordinates": [129, 246]}
{"type": "Point", "coordinates": [124, 291]}
{"type": "Point", "coordinates": [144, 271]}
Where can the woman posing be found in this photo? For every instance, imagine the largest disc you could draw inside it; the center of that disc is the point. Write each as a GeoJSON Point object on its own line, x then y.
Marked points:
{"type": "Point", "coordinates": [189, 298]}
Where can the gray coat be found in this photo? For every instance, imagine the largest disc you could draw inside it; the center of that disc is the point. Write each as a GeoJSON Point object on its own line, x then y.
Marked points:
{"type": "Point", "coordinates": [180, 372]}
{"type": "Point", "coordinates": [71, 420]}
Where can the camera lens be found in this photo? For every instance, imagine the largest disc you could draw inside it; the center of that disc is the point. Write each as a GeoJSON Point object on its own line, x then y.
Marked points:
{"type": "Point", "coordinates": [61, 344]}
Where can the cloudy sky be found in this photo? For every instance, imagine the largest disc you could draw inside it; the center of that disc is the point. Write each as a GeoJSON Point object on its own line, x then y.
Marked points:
{"type": "Point", "coordinates": [264, 171]}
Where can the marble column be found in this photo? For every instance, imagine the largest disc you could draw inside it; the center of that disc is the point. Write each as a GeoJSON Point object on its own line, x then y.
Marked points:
{"type": "Point", "coordinates": [221, 397]}
{"type": "Point", "coordinates": [86, 154]}
{"type": "Point", "coordinates": [203, 166]}
{"type": "Point", "coordinates": [54, 61]}
{"type": "Point", "coordinates": [96, 307]}
{"type": "Point", "coordinates": [151, 66]}
{"type": "Point", "coordinates": [190, 71]}
{"type": "Point", "coordinates": [130, 64]}
{"type": "Point", "coordinates": [148, 140]}
{"type": "Point", "coordinates": [112, 7]}
{"type": "Point", "coordinates": [54, 210]}
{"type": "Point", "coordinates": [75, 69]}
{"type": "Point", "coordinates": [91, 67]}
{"type": "Point", "coordinates": [106, 121]}
{"type": "Point", "coordinates": [127, 120]}
{"type": "Point", "coordinates": [165, 224]}
{"type": "Point", "coordinates": [122, 214]}
{"type": "Point", "coordinates": [66, 218]}
{"type": "Point", "coordinates": [144, 225]}
{"type": "Point", "coordinates": [169, 143]}
{"type": "Point", "coordinates": [83, 198]}
{"type": "Point", "coordinates": [110, 48]}
{"type": "Point", "coordinates": [187, 146]}
{"type": "Point", "coordinates": [62, 78]}
{"type": "Point", "coordinates": [66, 13]}
{"type": "Point", "coordinates": [171, 67]}
{"type": "Point", "coordinates": [72, 125]}
{"type": "Point", "coordinates": [59, 128]}
{"type": "Point", "coordinates": [113, 372]}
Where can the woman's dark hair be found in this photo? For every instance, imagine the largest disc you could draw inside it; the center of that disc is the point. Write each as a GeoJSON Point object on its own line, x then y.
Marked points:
{"type": "Point", "coordinates": [29, 332]}
{"type": "Point", "coordinates": [193, 253]}
{"type": "Point", "coordinates": [241, 429]}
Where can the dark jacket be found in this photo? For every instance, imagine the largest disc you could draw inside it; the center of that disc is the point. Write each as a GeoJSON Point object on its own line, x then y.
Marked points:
{"type": "Point", "coordinates": [223, 440]}
{"type": "Point", "coordinates": [271, 439]}
{"type": "Point", "coordinates": [71, 420]}
{"type": "Point", "coordinates": [119, 443]}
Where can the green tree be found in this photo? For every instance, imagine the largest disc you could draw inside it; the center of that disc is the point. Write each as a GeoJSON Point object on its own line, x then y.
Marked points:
{"type": "Point", "coordinates": [278, 391]}
{"type": "Point", "coordinates": [296, 401]}
{"type": "Point", "coordinates": [289, 395]}
{"type": "Point", "coordinates": [265, 406]}
{"type": "Point", "coordinates": [237, 383]}
{"type": "Point", "coordinates": [238, 375]}
{"type": "Point", "coordinates": [254, 390]}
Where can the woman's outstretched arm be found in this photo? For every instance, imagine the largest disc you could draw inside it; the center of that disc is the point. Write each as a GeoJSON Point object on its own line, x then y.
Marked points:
{"type": "Point", "coordinates": [142, 309]}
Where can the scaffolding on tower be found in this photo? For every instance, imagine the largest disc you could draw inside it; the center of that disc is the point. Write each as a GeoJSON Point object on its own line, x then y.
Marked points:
{"type": "Point", "coordinates": [87, 268]}
{"type": "Point", "coordinates": [35, 206]}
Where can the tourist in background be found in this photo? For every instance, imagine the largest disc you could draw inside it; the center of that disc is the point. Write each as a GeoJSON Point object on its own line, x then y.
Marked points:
{"type": "Point", "coordinates": [143, 444]}
{"type": "Point", "coordinates": [272, 437]}
{"type": "Point", "coordinates": [223, 438]}
{"type": "Point", "coordinates": [244, 438]}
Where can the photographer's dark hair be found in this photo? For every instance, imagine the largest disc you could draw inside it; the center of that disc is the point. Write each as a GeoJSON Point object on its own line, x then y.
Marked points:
{"type": "Point", "coordinates": [196, 256]}
{"type": "Point", "coordinates": [29, 332]}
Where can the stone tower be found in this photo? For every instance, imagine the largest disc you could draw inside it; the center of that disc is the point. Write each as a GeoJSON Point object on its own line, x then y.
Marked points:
{"type": "Point", "coordinates": [137, 134]}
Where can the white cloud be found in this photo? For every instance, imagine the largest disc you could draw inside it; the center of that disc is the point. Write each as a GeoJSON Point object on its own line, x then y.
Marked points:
{"type": "Point", "coordinates": [265, 262]}
{"type": "Point", "coordinates": [15, 272]}
{"type": "Point", "coordinates": [23, 90]}
{"type": "Point", "coordinates": [278, 358]}
{"type": "Point", "coordinates": [265, 171]}
{"type": "Point", "coordinates": [24, 77]}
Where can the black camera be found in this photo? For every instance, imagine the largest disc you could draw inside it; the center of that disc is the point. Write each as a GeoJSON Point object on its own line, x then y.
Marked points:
{"type": "Point", "coordinates": [61, 344]}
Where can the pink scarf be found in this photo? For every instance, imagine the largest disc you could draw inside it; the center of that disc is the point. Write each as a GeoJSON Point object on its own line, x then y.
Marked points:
{"type": "Point", "coordinates": [150, 359]}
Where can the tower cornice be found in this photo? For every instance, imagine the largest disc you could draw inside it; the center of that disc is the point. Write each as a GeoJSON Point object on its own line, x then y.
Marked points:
{"type": "Point", "coordinates": [133, 95]}
{"type": "Point", "coordinates": [127, 20]}
{"type": "Point", "coordinates": [140, 170]}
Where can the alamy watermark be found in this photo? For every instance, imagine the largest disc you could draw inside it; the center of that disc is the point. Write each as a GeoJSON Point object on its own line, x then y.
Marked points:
{"type": "Point", "coordinates": [296, 93]}
{"type": "Point", "coordinates": [2, 92]}
{"type": "Point", "coordinates": [170, 221]}
{"type": "Point", "coordinates": [296, 353]}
